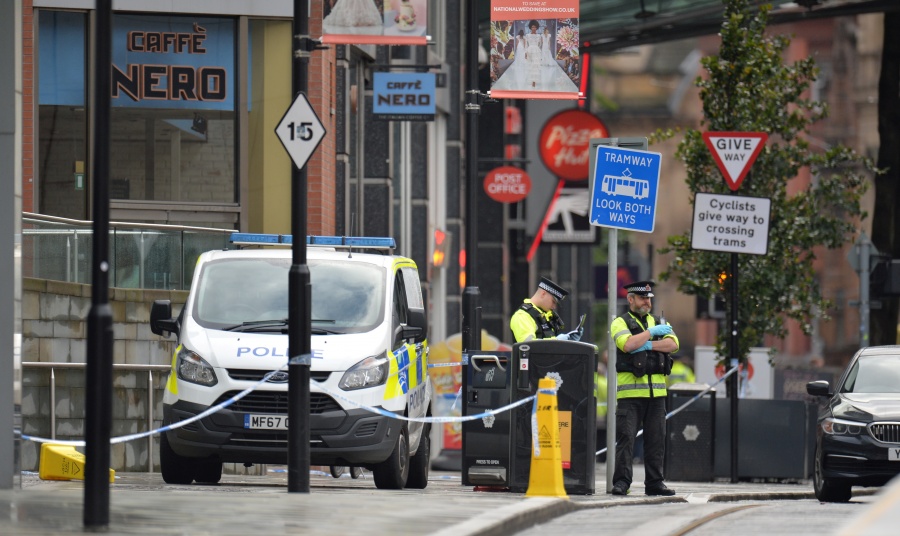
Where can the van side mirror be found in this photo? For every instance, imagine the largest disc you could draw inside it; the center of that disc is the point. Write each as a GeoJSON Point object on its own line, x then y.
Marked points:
{"type": "Point", "coordinates": [416, 326]}
{"type": "Point", "coordinates": [161, 321]}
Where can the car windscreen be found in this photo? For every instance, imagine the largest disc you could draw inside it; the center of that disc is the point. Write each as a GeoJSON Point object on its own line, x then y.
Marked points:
{"type": "Point", "coordinates": [252, 295]}
{"type": "Point", "coordinates": [873, 374]}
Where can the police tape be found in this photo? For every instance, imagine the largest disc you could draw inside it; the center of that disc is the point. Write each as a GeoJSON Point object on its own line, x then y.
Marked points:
{"type": "Point", "coordinates": [168, 427]}
{"type": "Point", "coordinates": [449, 419]}
{"type": "Point", "coordinates": [681, 408]}
{"type": "Point", "coordinates": [225, 403]}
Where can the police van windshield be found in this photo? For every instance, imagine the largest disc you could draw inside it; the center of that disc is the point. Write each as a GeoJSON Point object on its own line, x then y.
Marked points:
{"type": "Point", "coordinates": [252, 295]}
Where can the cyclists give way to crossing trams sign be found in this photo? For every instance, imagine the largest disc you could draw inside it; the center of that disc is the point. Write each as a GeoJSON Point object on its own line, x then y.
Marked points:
{"type": "Point", "coordinates": [625, 187]}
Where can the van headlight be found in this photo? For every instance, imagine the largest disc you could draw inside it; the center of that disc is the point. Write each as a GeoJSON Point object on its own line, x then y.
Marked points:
{"type": "Point", "coordinates": [369, 372]}
{"type": "Point", "coordinates": [193, 368]}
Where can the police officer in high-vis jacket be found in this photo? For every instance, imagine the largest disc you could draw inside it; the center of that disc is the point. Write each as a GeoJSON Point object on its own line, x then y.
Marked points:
{"type": "Point", "coordinates": [537, 318]}
{"type": "Point", "coordinates": [643, 344]}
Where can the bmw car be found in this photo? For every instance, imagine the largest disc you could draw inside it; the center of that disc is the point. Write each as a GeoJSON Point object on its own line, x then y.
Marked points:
{"type": "Point", "coordinates": [858, 430]}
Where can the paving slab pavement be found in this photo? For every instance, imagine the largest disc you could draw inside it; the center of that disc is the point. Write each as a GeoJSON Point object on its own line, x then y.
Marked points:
{"type": "Point", "coordinates": [140, 503]}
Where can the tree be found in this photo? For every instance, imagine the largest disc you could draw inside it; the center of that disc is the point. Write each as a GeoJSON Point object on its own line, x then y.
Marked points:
{"type": "Point", "coordinates": [749, 88]}
{"type": "Point", "coordinates": [886, 224]}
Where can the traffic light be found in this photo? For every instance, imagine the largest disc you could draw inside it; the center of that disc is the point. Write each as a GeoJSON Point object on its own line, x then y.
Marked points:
{"type": "Point", "coordinates": [441, 248]}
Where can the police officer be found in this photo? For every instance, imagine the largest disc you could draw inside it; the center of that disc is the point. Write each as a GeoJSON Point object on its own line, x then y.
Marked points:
{"type": "Point", "coordinates": [643, 344]}
{"type": "Point", "coordinates": [537, 318]}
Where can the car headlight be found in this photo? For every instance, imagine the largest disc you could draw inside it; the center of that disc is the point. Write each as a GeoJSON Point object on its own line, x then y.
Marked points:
{"type": "Point", "coordinates": [193, 368]}
{"type": "Point", "coordinates": [369, 372]}
{"type": "Point", "coordinates": [841, 427]}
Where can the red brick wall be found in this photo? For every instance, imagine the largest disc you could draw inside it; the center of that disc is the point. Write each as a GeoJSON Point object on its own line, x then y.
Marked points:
{"type": "Point", "coordinates": [321, 167]}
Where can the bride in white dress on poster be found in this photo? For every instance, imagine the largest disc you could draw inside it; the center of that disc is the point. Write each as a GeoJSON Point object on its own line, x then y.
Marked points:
{"type": "Point", "coordinates": [519, 59]}
{"type": "Point", "coordinates": [546, 48]}
{"type": "Point", "coordinates": [533, 56]}
{"type": "Point", "coordinates": [354, 14]}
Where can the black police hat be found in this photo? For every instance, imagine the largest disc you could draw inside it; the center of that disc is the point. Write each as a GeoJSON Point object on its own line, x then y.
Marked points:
{"type": "Point", "coordinates": [555, 290]}
{"type": "Point", "coordinates": [641, 288]}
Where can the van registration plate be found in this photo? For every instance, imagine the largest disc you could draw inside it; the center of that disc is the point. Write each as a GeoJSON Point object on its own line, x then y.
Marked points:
{"type": "Point", "coordinates": [265, 422]}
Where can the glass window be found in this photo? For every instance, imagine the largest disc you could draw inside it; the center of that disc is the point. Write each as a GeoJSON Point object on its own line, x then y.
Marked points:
{"type": "Point", "coordinates": [62, 120]}
{"type": "Point", "coordinates": [173, 118]}
{"type": "Point", "coordinates": [346, 297]}
{"type": "Point", "coordinates": [874, 374]}
{"type": "Point", "coordinates": [173, 109]}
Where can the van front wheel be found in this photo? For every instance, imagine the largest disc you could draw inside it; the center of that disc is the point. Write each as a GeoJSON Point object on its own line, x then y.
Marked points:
{"type": "Point", "coordinates": [393, 472]}
{"type": "Point", "coordinates": [175, 469]}
{"type": "Point", "coordinates": [420, 463]}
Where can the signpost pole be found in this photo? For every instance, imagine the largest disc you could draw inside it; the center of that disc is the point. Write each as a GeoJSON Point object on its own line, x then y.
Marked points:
{"type": "Point", "coordinates": [98, 399]}
{"type": "Point", "coordinates": [611, 379]}
{"type": "Point", "coordinates": [733, 379]}
{"type": "Point", "coordinates": [299, 291]}
{"type": "Point", "coordinates": [471, 320]}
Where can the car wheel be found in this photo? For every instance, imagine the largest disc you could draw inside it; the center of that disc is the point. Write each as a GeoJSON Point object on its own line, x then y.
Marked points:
{"type": "Point", "coordinates": [208, 471]}
{"type": "Point", "coordinates": [827, 490]}
{"type": "Point", "coordinates": [175, 469]}
{"type": "Point", "coordinates": [337, 471]}
{"type": "Point", "coordinates": [393, 472]}
{"type": "Point", "coordinates": [355, 472]}
{"type": "Point", "coordinates": [421, 462]}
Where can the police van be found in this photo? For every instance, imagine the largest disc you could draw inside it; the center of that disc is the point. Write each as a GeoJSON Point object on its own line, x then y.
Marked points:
{"type": "Point", "coordinates": [368, 345]}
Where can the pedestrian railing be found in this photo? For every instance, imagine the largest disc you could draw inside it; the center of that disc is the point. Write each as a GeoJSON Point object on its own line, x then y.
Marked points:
{"type": "Point", "coordinates": [150, 256]}
{"type": "Point", "coordinates": [155, 376]}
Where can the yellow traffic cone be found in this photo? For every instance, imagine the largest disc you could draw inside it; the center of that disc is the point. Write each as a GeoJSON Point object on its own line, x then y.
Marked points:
{"type": "Point", "coordinates": [546, 476]}
{"type": "Point", "coordinates": [63, 462]}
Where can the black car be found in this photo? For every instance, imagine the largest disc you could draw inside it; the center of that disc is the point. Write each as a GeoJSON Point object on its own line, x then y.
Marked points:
{"type": "Point", "coordinates": [858, 430]}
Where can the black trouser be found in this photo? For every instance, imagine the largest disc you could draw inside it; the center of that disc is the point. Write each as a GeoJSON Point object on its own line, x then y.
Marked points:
{"type": "Point", "coordinates": [632, 414]}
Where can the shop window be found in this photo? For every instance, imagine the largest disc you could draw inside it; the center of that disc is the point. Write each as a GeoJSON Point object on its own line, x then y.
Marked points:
{"type": "Point", "coordinates": [173, 118]}
{"type": "Point", "coordinates": [62, 121]}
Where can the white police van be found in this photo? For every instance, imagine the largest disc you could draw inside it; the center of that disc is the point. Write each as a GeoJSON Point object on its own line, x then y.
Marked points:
{"type": "Point", "coordinates": [368, 344]}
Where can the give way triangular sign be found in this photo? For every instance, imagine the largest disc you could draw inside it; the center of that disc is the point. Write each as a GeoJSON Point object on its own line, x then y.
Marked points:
{"type": "Point", "coordinates": [734, 153]}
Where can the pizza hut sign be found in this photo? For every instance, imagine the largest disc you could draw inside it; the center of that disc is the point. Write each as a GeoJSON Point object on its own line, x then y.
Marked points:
{"type": "Point", "coordinates": [507, 184]}
{"type": "Point", "coordinates": [565, 143]}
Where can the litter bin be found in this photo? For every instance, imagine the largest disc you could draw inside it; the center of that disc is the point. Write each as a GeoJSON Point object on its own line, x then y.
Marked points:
{"type": "Point", "coordinates": [691, 437]}
{"type": "Point", "coordinates": [485, 442]}
{"type": "Point", "coordinates": [572, 365]}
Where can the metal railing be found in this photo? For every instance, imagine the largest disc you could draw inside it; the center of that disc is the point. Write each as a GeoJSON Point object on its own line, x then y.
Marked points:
{"type": "Point", "coordinates": [142, 255]}
{"type": "Point", "coordinates": [150, 369]}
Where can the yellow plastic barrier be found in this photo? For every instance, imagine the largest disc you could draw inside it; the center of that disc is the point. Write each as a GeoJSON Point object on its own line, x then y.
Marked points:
{"type": "Point", "coordinates": [63, 462]}
{"type": "Point", "coordinates": [546, 476]}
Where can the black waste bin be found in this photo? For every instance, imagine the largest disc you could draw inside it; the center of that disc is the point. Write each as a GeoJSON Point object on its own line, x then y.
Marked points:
{"type": "Point", "coordinates": [485, 442]}
{"type": "Point", "coordinates": [691, 434]}
{"type": "Point", "coordinates": [572, 365]}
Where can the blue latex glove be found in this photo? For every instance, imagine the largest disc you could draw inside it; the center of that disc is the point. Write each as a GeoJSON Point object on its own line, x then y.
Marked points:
{"type": "Point", "coordinates": [658, 331]}
{"type": "Point", "coordinates": [563, 336]}
{"type": "Point", "coordinates": [646, 346]}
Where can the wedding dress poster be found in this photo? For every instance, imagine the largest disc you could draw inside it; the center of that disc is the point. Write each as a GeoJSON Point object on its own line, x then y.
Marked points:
{"type": "Point", "coordinates": [375, 22]}
{"type": "Point", "coordinates": [534, 49]}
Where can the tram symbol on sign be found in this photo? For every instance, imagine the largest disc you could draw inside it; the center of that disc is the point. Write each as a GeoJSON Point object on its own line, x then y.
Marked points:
{"type": "Point", "coordinates": [626, 185]}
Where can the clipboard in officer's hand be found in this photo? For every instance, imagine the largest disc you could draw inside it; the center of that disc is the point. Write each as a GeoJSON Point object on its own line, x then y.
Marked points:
{"type": "Point", "coordinates": [580, 325]}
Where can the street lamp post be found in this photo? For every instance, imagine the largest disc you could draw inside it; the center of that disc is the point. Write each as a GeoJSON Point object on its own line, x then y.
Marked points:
{"type": "Point", "coordinates": [471, 302]}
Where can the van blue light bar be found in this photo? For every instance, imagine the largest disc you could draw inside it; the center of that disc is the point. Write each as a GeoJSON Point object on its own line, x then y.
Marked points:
{"type": "Point", "coordinates": [260, 239]}
{"type": "Point", "coordinates": [352, 241]}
